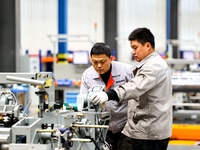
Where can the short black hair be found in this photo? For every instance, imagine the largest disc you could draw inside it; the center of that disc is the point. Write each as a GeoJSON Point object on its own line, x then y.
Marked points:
{"type": "Point", "coordinates": [100, 48]}
{"type": "Point", "coordinates": [142, 35]}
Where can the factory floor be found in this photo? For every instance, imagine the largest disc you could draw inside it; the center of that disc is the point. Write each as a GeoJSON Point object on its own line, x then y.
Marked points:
{"type": "Point", "coordinates": [180, 147]}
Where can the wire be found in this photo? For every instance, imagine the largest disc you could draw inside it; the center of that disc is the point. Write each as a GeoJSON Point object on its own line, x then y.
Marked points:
{"type": "Point", "coordinates": [103, 141]}
{"type": "Point", "coordinates": [101, 138]}
{"type": "Point", "coordinates": [95, 143]}
{"type": "Point", "coordinates": [27, 106]}
{"type": "Point", "coordinates": [14, 98]}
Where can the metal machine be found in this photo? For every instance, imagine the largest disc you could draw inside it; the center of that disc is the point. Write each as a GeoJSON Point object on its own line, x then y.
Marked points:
{"type": "Point", "coordinates": [186, 108]}
{"type": "Point", "coordinates": [77, 128]}
{"type": "Point", "coordinates": [186, 92]}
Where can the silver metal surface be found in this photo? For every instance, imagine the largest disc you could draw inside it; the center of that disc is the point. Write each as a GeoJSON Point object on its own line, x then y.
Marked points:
{"type": "Point", "coordinates": [24, 80]}
{"type": "Point", "coordinates": [54, 124]}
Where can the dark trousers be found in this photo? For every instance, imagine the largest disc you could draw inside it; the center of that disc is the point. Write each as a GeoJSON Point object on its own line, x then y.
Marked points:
{"type": "Point", "coordinates": [149, 144]}
{"type": "Point", "coordinates": [118, 141]}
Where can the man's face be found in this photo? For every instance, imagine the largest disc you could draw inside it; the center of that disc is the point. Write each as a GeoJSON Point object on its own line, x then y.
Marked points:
{"type": "Point", "coordinates": [101, 63]}
{"type": "Point", "coordinates": [140, 51]}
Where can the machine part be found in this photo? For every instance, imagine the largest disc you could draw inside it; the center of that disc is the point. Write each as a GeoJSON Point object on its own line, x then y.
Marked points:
{"type": "Point", "coordinates": [71, 106]}
{"type": "Point", "coordinates": [24, 112]}
{"type": "Point", "coordinates": [42, 79]}
{"type": "Point", "coordinates": [56, 129]}
{"type": "Point", "coordinates": [95, 143]}
{"type": "Point", "coordinates": [7, 97]}
{"type": "Point", "coordinates": [66, 136]}
{"type": "Point", "coordinates": [5, 135]}
{"type": "Point", "coordinates": [90, 126]}
{"type": "Point", "coordinates": [185, 132]}
{"type": "Point", "coordinates": [84, 101]}
{"type": "Point", "coordinates": [4, 147]}
{"type": "Point", "coordinates": [10, 114]}
{"type": "Point", "coordinates": [45, 126]}
{"type": "Point", "coordinates": [186, 116]}
{"type": "Point", "coordinates": [24, 80]}
{"type": "Point", "coordinates": [26, 127]}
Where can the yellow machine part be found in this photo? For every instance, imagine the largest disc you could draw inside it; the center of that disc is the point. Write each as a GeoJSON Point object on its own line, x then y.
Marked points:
{"type": "Point", "coordinates": [185, 134]}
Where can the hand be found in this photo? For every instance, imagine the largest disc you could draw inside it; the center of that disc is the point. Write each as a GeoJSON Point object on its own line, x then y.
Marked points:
{"type": "Point", "coordinates": [99, 98]}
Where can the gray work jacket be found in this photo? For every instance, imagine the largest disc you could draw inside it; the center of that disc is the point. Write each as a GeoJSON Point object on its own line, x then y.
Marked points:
{"type": "Point", "coordinates": [149, 96]}
{"type": "Point", "coordinates": [120, 74]}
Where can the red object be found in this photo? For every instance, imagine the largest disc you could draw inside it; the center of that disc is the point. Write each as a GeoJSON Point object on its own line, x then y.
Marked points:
{"type": "Point", "coordinates": [95, 25]}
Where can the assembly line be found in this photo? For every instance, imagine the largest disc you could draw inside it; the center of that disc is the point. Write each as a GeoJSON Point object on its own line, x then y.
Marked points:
{"type": "Point", "coordinates": [77, 128]}
{"type": "Point", "coordinates": [54, 128]}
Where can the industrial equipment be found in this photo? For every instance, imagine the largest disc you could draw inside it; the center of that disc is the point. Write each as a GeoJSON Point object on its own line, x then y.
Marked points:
{"type": "Point", "coordinates": [80, 127]}
{"type": "Point", "coordinates": [186, 108]}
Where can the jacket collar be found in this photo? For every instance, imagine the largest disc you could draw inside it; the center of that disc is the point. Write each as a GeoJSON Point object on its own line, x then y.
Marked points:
{"type": "Point", "coordinates": [140, 64]}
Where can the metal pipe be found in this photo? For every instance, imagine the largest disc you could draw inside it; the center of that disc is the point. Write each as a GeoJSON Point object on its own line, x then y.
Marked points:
{"type": "Point", "coordinates": [25, 80]}
{"type": "Point", "coordinates": [4, 138]}
{"type": "Point", "coordinates": [90, 126]}
{"type": "Point", "coordinates": [46, 130]}
{"type": "Point", "coordinates": [80, 140]}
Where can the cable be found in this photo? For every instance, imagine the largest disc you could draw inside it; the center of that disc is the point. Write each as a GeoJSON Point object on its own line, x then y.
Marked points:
{"type": "Point", "coordinates": [27, 106]}
{"type": "Point", "coordinates": [103, 141]}
{"type": "Point", "coordinates": [95, 143]}
{"type": "Point", "coordinates": [14, 98]}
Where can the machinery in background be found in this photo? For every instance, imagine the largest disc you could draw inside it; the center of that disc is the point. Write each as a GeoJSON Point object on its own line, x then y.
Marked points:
{"type": "Point", "coordinates": [80, 127]}
{"type": "Point", "coordinates": [10, 113]}
{"type": "Point", "coordinates": [9, 109]}
{"type": "Point", "coordinates": [186, 92]}
{"type": "Point", "coordinates": [186, 108]}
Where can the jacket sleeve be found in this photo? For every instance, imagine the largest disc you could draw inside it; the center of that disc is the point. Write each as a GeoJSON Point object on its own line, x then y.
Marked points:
{"type": "Point", "coordinates": [144, 80]}
{"type": "Point", "coordinates": [112, 95]}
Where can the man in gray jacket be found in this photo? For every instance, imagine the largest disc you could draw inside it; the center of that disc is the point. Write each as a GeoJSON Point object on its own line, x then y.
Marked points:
{"type": "Point", "coordinates": [149, 95]}
{"type": "Point", "coordinates": [111, 74]}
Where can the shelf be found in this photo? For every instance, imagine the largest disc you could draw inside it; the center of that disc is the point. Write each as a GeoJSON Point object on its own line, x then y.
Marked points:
{"type": "Point", "coordinates": [48, 59]}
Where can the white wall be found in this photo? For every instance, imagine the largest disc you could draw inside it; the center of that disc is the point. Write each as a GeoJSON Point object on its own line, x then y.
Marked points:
{"type": "Point", "coordinates": [189, 24]}
{"type": "Point", "coordinates": [140, 13]}
{"type": "Point", "coordinates": [83, 14]}
{"type": "Point", "coordinates": [39, 18]}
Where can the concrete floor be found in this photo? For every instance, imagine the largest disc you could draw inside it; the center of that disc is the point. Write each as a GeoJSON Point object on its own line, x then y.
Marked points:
{"type": "Point", "coordinates": [180, 147]}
